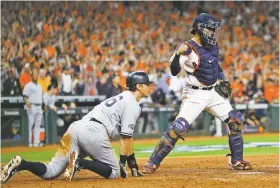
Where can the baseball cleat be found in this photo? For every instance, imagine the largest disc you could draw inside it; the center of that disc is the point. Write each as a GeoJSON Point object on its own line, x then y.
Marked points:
{"type": "Point", "coordinates": [149, 168]}
{"type": "Point", "coordinates": [10, 169]}
{"type": "Point", "coordinates": [238, 165]}
{"type": "Point", "coordinates": [73, 166]}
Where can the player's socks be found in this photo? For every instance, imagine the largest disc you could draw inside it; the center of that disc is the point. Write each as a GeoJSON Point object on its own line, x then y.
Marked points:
{"type": "Point", "coordinates": [36, 168]}
{"type": "Point", "coordinates": [96, 166]}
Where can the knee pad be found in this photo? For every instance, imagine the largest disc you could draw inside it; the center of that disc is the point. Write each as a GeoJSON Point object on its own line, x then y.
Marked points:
{"type": "Point", "coordinates": [180, 126]}
{"type": "Point", "coordinates": [235, 122]}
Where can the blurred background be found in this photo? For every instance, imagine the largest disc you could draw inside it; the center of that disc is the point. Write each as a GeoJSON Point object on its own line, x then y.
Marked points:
{"type": "Point", "coordinates": [93, 46]}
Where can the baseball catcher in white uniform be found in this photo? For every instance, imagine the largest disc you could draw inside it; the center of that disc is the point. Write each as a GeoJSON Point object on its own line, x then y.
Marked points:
{"type": "Point", "coordinates": [205, 88]}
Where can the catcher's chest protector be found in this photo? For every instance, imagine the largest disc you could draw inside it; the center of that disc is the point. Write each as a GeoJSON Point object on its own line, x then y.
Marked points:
{"type": "Point", "coordinates": [208, 69]}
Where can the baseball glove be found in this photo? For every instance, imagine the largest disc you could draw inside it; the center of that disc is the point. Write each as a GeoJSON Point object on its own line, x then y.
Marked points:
{"type": "Point", "coordinates": [224, 89]}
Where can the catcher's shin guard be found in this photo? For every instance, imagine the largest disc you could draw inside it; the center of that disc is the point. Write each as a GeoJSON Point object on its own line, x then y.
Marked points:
{"type": "Point", "coordinates": [166, 144]}
{"type": "Point", "coordinates": [235, 125]}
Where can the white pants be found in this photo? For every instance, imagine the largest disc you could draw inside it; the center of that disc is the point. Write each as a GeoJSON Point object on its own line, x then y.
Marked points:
{"type": "Point", "coordinates": [35, 116]}
{"type": "Point", "coordinates": [196, 100]}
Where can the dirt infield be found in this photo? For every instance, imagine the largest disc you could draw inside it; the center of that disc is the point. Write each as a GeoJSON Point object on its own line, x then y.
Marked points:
{"type": "Point", "coordinates": [174, 172]}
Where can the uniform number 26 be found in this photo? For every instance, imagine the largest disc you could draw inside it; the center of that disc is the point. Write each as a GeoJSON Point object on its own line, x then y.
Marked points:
{"type": "Point", "coordinates": [110, 102]}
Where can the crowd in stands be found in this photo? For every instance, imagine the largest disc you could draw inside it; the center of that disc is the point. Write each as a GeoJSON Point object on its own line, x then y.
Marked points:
{"type": "Point", "coordinates": [88, 48]}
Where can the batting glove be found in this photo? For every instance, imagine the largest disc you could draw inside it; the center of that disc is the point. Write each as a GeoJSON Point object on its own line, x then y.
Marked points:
{"type": "Point", "coordinates": [124, 173]}
{"type": "Point", "coordinates": [131, 161]}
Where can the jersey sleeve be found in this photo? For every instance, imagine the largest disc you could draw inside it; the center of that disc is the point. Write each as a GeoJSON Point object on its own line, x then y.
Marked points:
{"type": "Point", "coordinates": [26, 90]}
{"type": "Point", "coordinates": [128, 119]}
{"type": "Point", "coordinates": [45, 100]}
{"type": "Point", "coordinates": [189, 62]}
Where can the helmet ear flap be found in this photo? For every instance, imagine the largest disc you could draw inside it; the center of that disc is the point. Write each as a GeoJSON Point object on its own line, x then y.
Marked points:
{"type": "Point", "coordinates": [132, 88]}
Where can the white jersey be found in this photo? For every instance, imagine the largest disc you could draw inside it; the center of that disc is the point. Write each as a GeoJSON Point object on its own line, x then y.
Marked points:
{"type": "Point", "coordinates": [49, 100]}
{"type": "Point", "coordinates": [34, 93]}
{"type": "Point", "coordinates": [188, 63]}
{"type": "Point", "coordinates": [118, 113]}
{"type": "Point", "coordinates": [67, 83]}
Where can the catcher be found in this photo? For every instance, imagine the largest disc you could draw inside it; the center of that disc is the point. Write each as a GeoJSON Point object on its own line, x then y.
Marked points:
{"type": "Point", "coordinates": [205, 88]}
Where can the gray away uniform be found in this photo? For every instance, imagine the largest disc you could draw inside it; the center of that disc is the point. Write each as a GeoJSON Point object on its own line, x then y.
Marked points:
{"type": "Point", "coordinates": [90, 138]}
{"type": "Point", "coordinates": [35, 114]}
{"type": "Point", "coordinates": [49, 100]}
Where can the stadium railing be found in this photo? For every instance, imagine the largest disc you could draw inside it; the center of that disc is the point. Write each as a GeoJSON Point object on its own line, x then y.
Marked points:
{"type": "Point", "coordinates": [159, 117]}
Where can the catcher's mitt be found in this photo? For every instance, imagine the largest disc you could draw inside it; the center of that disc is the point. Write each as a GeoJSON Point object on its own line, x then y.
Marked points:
{"type": "Point", "coordinates": [224, 89]}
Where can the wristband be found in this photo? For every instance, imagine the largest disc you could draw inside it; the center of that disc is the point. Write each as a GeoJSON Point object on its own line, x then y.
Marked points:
{"type": "Point", "coordinates": [123, 159]}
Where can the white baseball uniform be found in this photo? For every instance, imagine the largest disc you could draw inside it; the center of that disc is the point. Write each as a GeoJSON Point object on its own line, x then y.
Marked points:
{"type": "Point", "coordinates": [196, 100]}
{"type": "Point", "coordinates": [34, 93]}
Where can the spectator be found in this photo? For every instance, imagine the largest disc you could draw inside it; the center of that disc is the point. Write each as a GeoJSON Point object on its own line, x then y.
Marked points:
{"type": "Point", "coordinates": [49, 99]}
{"type": "Point", "coordinates": [11, 86]}
{"type": "Point", "coordinates": [66, 82]}
{"type": "Point", "coordinates": [43, 80]}
{"type": "Point", "coordinates": [80, 86]}
{"type": "Point", "coordinates": [25, 76]}
{"type": "Point", "coordinates": [116, 88]}
{"type": "Point", "coordinates": [103, 84]}
{"type": "Point", "coordinates": [163, 81]}
{"type": "Point", "coordinates": [90, 88]}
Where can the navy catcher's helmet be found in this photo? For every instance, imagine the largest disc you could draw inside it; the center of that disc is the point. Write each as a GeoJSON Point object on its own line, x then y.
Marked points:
{"type": "Point", "coordinates": [208, 27]}
{"type": "Point", "coordinates": [136, 78]}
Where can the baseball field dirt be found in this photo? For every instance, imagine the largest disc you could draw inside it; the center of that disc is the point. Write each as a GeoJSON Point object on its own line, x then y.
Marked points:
{"type": "Point", "coordinates": [176, 172]}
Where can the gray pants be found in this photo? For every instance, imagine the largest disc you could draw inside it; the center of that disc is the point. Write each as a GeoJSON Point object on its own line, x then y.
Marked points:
{"type": "Point", "coordinates": [88, 138]}
{"type": "Point", "coordinates": [35, 116]}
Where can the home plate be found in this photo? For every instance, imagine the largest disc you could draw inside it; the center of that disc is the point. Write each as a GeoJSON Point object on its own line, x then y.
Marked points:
{"type": "Point", "coordinates": [248, 173]}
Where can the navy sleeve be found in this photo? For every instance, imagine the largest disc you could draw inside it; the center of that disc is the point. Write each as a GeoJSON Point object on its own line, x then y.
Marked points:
{"type": "Point", "coordinates": [175, 66]}
{"type": "Point", "coordinates": [221, 73]}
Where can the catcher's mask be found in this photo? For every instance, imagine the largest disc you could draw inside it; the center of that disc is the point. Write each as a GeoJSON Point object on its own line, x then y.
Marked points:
{"type": "Point", "coordinates": [208, 27]}
{"type": "Point", "coordinates": [137, 78]}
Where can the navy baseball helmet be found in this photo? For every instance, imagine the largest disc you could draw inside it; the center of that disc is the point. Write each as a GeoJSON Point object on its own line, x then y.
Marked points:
{"type": "Point", "coordinates": [208, 27]}
{"type": "Point", "coordinates": [137, 78]}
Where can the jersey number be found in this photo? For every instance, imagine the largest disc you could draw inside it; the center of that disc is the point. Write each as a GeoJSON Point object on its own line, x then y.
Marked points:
{"type": "Point", "coordinates": [110, 102]}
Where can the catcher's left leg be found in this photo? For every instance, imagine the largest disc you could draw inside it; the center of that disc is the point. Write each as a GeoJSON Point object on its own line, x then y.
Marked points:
{"type": "Point", "coordinates": [222, 109]}
{"type": "Point", "coordinates": [235, 125]}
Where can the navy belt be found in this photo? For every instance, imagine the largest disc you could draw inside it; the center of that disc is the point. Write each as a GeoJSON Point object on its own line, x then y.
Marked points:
{"type": "Point", "coordinates": [36, 104]}
{"type": "Point", "coordinates": [203, 88]}
{"type": "Point", "coordinates": [95, 120]}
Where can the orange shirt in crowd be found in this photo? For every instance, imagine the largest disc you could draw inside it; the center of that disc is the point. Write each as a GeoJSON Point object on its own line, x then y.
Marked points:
{"type": "Point", "coordinates": [237, 89]}
{"type": "Point", "coordinates": [82, 50]}
{"type": "Point", "coordinates": [50, 51]}
{"type": "Point", "coordinates": [271, 91]}
{"type": "Point", "coordinates": [24, 78]}
{"type": "Point", "coordinates": [141, 66]}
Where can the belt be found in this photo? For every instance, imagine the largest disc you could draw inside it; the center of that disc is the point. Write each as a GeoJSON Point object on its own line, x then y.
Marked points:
{"type": "Point", "coordinates": [203, 88]}
{"type": "Point", "coordinates": [93, 119]}
{"type": "Point", "coordinates": [36, 104]}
